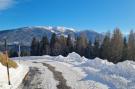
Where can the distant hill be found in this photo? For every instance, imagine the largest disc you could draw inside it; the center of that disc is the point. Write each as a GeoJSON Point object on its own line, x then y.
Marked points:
{"type": "Point", "coordinates": [24, 35]}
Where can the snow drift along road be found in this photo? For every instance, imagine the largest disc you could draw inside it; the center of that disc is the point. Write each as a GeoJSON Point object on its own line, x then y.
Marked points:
{"type": "Point", "coordinates": [82, 73]}
{"type": "Point", "coordinates": [115, 76]}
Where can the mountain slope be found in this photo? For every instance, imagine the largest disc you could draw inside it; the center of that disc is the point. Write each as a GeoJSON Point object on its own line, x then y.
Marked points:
{"type": "Point", "coordinates": [25, 34]}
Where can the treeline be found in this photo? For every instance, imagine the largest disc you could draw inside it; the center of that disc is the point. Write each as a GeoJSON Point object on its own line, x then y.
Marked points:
{"type": "Point", "coordinates": [114, 48]}
{"type": "Point", "coordinates": [14, 53]}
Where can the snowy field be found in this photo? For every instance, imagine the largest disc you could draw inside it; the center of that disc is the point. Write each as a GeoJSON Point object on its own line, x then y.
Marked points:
{"type": "Point", "coordinates": [79, 72]}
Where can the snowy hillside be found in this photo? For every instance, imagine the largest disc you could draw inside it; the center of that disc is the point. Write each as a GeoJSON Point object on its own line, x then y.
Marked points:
{"type": "Point", "coordinates": [80, 73]}
{"type": "Point", "coordinates": [25, 34]}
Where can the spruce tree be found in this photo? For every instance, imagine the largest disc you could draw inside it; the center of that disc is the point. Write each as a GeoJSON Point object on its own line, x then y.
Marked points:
{"type": "Point", "coordinates": [81, 45]}
{"type": "Point", "coordinates": [125, 49]}
{"type": "Point", "coordinates": [25, 53]}
{"type": "Point", "coordinates": [57, 50]}
{"type": "Point", "coordinates": [69, 44]}
{"type": "Point", "coordinates": [105, 47]}
{"type": "Point", "coordinates": [116, 46]}
{"type": "Point", "coordinates": [131, 46]}
{"type": "Point", "coordinates": [53, 43]}
{"type": "Point", "coordinates": [63, 48]}
{"type": "Point", "coordinates": [33, 51]}
{"type": "Point", "coordinates": [96, 52]}
{"type": "Point", "coordinates": [44, 46]}
{"type": "Point", "coordinates": [89, 50]}
{"type": "Point", "coordinates": [13, 53]}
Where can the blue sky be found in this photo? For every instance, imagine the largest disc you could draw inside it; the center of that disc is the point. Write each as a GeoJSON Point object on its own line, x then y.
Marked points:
{"type": "Point", "coordinates": [98, 15]}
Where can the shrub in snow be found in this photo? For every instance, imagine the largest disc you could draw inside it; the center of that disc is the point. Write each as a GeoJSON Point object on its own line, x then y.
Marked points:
{"type": "Point", "coordinates": [3, 61]}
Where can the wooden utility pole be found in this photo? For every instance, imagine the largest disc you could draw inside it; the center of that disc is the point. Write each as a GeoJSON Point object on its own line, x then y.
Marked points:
{"type": "Point", "coordinates": [7, 62]}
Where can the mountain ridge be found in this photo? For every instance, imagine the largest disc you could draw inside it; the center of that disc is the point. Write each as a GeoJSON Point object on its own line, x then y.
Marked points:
{"type": "Point", "coordinates": [24, 35]}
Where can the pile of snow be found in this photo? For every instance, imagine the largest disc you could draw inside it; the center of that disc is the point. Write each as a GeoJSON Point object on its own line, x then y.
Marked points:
{"type": "Point", "coordinates": [72, 58]}
{"type": "Point", "coordinates": [16, 76]}
{"type": "Point", "coordinates": [97, 63]}
{"type": "Point", "coordinates": [115, 76]}
{"type": "Point", "coordinates": [60, 58]}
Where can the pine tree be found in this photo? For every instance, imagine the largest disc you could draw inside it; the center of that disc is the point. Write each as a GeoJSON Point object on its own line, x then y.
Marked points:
{"type": "Point", "coordinates": [33, 47]}
{"type": "Point", "coordinates": [52, 44]}
{"type": "Point", "coordinates": [25, 53]}
{"type": "Point", "coordinates": [116, 46]}
{"type": "Point", "coordinates": [81, 45]}
{"type": "Point", "coordinates": [77, 45]}
{"type": "Point", "coordinates": [63, 48]}
{"type": "Point", "coordinates": [96, 48]}
{"type": "Point", "coordinates": [89, 50]}
{"type": "Point", "coordinates": [69, 44]}
{"type": "Point", "coordinates": [105, 47]}
{"type": "Point", "coordinates": [131, 46]}
{"type": "Point", "coordinates": [57, 48]}
{"type": "Point", "coordinates": [44, 46]}
{"type": "Point", "coordinates": [13, 53]}
{"type": "Point", "coordinates": [38, 48]}
{"type": "Point", "coordinates": [125, 49]}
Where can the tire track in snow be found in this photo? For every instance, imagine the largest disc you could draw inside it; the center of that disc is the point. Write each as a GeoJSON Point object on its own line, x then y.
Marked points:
{"type": "Point", "coordinates": [58, 76]}
{"type": "Point", "coordinates": [28, 80]}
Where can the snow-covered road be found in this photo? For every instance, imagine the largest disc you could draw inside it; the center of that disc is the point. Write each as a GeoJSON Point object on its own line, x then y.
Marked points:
{"type": "Point", "coordinates": [63, 76]}
{"type": "Point", "coordinates": [75, 72]}
{"type": "Point", "coordinates": [34, 79]}
{"type": "Point", "coordinates": [39, 77]}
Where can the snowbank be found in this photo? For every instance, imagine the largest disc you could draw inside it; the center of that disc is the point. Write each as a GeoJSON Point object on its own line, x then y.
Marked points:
{"type": "Point", "coordinates": [115, 76]}
{"type": "Point", "coordinates": [16, 76]}
{"type": "Point", "coordinates": [72, 58]}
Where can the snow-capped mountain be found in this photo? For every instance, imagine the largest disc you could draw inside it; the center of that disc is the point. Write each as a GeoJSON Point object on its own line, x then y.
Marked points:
{"type": "Point", "coordinates": [25, 34]}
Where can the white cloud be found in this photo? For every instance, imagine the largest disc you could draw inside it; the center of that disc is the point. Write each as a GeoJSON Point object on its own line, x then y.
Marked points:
{"type": "Point", "coordinates": [5, 4]}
